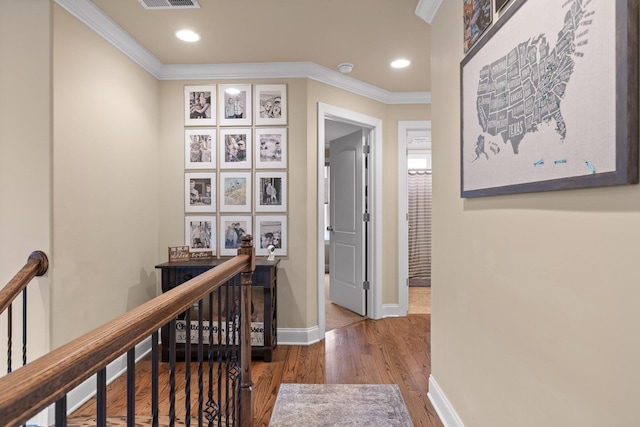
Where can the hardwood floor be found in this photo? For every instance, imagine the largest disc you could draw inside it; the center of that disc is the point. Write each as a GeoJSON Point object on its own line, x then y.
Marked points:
{"type": "Point", "coordinates": [387, 351]}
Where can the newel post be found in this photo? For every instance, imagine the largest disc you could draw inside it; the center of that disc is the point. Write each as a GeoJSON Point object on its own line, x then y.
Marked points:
{"type": "Point", "coordinates": [246, 384]}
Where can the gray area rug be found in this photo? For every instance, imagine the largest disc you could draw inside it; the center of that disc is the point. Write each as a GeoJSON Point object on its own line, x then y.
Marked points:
{"type": "Point", "coordinates": [354, 405]}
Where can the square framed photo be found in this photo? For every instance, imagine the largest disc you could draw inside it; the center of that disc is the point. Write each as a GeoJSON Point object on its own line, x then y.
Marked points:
{"type": "Point", "coordinates": [271, 230]}
{"type": "Point", "coordinates": [271, 192]}
{"type": "Point", "coordinates": [200, 233]}
{"type": "Point", "coordinates": [235, 148]}
{"type": "Point", "coordinates": [235, 105]}
{"type": "Point", "coordinates": [235, 191]}
{"type": "Point", "coordinates": [200, 149]}
{"type": "Point", "coordinates": [271, 148]}
{"type": "Point", "coordinates": [199, 192]}
{"type": "Point", "coordinates": [271, 104]}
{"type": "Point", "coordinates": [232, 228]}
{"type": "Point", "coordinates": [200, 105]}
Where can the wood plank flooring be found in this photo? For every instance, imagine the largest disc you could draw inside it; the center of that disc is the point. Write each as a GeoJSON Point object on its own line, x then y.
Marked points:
{"type": "Point", "coordinates": [387, 351]}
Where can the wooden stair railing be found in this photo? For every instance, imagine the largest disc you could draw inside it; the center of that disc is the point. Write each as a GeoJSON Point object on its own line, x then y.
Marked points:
{"type": "Point", "coordinates": [37, 265]}
{"type": "Point", "coordinates": [47, 380]}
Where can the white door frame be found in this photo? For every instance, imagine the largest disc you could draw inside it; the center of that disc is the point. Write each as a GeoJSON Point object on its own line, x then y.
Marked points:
{"type": "Point", "coordinates": [404, 127]}
{"type": "Point", "coordinates": [374, 296]}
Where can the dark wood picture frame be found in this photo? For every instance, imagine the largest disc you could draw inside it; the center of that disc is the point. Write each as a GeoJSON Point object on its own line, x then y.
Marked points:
{"type": "Point", "coordinates": [481, 101]}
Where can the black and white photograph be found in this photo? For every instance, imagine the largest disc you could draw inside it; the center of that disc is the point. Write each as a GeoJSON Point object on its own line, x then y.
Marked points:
{"type": "Point", "coordinates": [235, 191]}
{"type": "Point", "coordinates": [200, 149]}
{"type": "Point", "coordinates": [500, 4]}
{"type": "Point", "coordinates": [235, 105]}
{"type": "Point", "coordinates": [271, 192]}
{"type": "Point", "coordinates": [271, 104]}
{"type": "Point", "coordinates": [200, 105]}
{"type": "Point", "coordinates": [199, 192]}
{"type": "Point", "coordinates": [200, 233]}
{"type": "Point", "coordinates": [232, 228]}
{"type": "Point", "coordinates": [271, 230]}
{"type": "Point", "coordinates": [271, 148]}
{"type": "Point", "coordinates": [235, 148]}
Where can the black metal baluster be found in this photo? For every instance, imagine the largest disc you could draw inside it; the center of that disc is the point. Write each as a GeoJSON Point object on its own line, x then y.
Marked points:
{"type": "Point", "coordinates": [101, 398]}
{"type": "Point", "coordinates": [154, 379]}
{"type": "Point", "coordinates": [131, 387]}
{"type": "Point", "coordinates": [187, 369]}
{"type": "Point", "coordinates": [61, 412]}
{"type": "Point", "coordinates": [219, 353]}
{"type": "Point", "coordinates": [200, 361]}
{"type": "Point", "coordinates": [24, 326]}
{"type": "Point", "coordinates": [9, 335]}
{"type": "Point", "coordinates": [172, 373]}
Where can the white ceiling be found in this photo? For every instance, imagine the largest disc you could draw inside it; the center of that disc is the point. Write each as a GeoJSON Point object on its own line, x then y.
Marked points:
{"type": "Point", "coordinates": [318, 34]}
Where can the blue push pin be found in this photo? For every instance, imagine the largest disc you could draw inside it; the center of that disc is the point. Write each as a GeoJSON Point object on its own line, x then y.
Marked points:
{"type": "Point", "coordinates": [590, 166]}
{"type": "Point", "coordinates": [538, 162]}
{"type": "Point", "coordinates": [560, 161]}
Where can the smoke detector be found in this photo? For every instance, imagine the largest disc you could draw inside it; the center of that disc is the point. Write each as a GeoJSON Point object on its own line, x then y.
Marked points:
{"type": "Point", "coordinates": [170, 4]}
{"type": "Point", "coordinates": [345, 67]}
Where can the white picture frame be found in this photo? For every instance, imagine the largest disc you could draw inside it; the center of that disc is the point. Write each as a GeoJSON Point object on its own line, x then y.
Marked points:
{"type": "Point", "coordinates": [271, 104]}
{"type": "Point", "coordinates": [270, 191]}
{"type": "Point", "coordinates": [200, 148]}
{"type": "Point", "coordinates": [200, 192]}
{"type": "Point", "coordinates": [232, 228]}
{"type": "Point", "coordinates": [235, 148]}
{"type": "Point", "coordinates": [200, 233]}
{"type": "Point", "coordinates": [200, 105]}
{"type": "Point", "coordinates": [271, 229]}
{"type": "Point", "coordinates": [235, 105]}
{"type": "Point", "coordinates": [235, 192]}
{"type": "Point", "coordinates": [270, 148]}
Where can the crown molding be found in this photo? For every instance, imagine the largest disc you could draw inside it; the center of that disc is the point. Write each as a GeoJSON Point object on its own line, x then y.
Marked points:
{"type": "Point", "coordinates": [427, 9]}
{"type": "Point", "coordinates": [89, 14]}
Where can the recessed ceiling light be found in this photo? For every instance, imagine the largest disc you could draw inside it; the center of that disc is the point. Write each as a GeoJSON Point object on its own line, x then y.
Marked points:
{"type": "Point", "coordinates": [187, 36]}
{"type": "Point", "coordinates": [400, 63]}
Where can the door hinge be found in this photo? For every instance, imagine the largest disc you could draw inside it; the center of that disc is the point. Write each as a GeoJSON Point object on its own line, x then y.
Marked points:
{"type": "Point", "coordinates": [366, 149]}
{"type": "Point", "coordinates": [365, 285]}
{"type": "Point", "coordinates": [366, 217]}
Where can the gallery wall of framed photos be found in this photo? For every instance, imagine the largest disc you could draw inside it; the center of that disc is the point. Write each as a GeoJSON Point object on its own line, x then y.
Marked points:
{"type": "Point", "coordinates": [235, 170]}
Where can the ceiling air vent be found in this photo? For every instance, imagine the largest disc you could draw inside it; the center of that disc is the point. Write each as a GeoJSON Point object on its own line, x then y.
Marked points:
{"type": "Point", "coordinates": [170, 4]}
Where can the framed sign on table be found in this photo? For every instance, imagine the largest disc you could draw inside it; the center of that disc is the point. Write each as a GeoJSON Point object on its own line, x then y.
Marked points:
{"type": "Point", "coordinates": [549, 99]}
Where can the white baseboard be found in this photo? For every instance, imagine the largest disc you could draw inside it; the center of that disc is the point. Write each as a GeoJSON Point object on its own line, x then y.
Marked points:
{"type": "Point", "coordinates": [391, 310]}
{"type": "Point", "coordinates": [299, 336]}
{"type": "Point", "coordinates": [443, 407]}
{"type": "Point", "coordinates": [87, 390]}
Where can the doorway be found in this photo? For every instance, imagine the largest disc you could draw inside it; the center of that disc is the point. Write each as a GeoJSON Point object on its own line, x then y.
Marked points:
{"type": "Point", "coordinates": [414, 143]}
{"type": "Point", "coordinates": [372, 127]}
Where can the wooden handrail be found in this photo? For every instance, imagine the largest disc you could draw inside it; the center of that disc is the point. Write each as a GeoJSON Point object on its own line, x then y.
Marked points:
{"type": "Point", "coordinates": [31, 388]}
{"type": "Point", "coordinates": [37, 265]}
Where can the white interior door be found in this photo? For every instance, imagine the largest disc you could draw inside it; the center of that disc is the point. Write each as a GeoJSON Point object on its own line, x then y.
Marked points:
{"type": "Point", "coordinates": [347, 235]}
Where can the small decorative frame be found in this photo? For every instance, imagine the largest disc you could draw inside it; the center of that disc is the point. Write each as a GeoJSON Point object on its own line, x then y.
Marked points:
{"type": "Point", "coordinates": [271, 148]}
{"type": "Point", "coordinates": [532, 118]}
{"type": "Point", "coordinates": [235, 191]}
{"type": "Point", "coordinates": [271, 104]}
{"type": "Point", "coordinates": [232, 228]}
{"type": "Point", "coordinates": [200, 105]}
{"type": "Point", "coordinates": [477, 16]}
{"type": "Point", "coordinates": [271, 191]}
{"type": "Point", "coordinates": [500, 4]}
{"type": "Point", "coordinates": [200, 233]}
{"type": "Point", "coordinates": [235, 105]}
{"type": "Point", "coordinates": [235, 148]}
{"type": "Point", "coordinates": [199, 192]}
{"type": "Point", "coordinates": [271, 230]}
{"type": "Point", "coordinates": [200, 148]}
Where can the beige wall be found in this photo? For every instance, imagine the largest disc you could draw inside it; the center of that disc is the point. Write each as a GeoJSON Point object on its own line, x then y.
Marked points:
{"type": "Point", "coordinates": [25, 162]}
{"type": "Point", "coordinates": [105, 181]}
{"type": "Point", "coordinates": [535, 295]}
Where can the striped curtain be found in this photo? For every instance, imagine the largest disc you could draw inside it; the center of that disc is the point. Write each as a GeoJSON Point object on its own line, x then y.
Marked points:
{"type": "Point", "coordinates": [419, 195]}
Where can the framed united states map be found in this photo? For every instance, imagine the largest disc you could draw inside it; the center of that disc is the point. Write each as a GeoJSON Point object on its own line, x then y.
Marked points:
{"type": "Point", "coordinates": [549, 99]}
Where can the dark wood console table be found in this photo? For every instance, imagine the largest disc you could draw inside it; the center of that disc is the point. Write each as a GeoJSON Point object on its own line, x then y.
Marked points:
{"type": "Point", "coordinates": [263, 284]}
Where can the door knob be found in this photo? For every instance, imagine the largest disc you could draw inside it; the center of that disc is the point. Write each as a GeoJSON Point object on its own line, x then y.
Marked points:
{"type": "Point", "coordinates": [329, 228]}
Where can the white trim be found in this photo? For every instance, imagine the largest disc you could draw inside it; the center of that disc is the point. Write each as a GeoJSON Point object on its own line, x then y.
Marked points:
{"type": "Point", "coordinates": [89, 14]}
{"type": "Point", "coordinates": [392, 310]}
{"type": "Point", "coordinates": [427, 9]}
{"type": "Point", "coordinates": [403, 241]}
{"type": "Point", "coordinates": [87, 390]}
{"type": "Point", "coordinates": [299, 336]}
{"type": "Point", "coordinates": [441, 404]}
{"type": "Point", "coordinates": [374, 298]}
